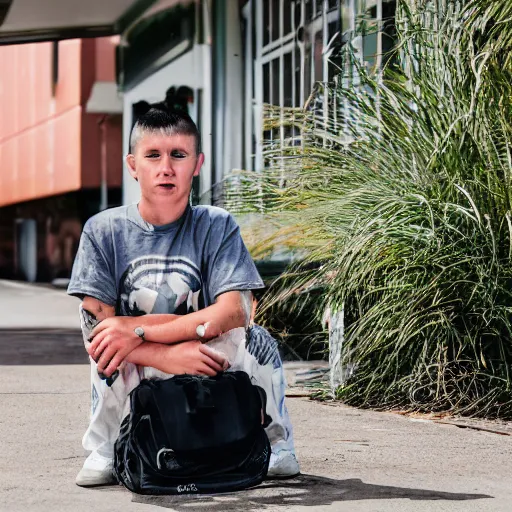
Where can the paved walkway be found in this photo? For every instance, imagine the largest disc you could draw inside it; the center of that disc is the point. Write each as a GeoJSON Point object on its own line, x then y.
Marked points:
{"type": "Point", "coordinates": [352, 460]}
{"type": "Point", "coordinates": [24, 306]}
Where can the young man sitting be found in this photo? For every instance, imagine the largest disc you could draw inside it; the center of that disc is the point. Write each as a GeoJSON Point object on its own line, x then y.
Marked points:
{"type": "Point", "coordinates": [170, 285]}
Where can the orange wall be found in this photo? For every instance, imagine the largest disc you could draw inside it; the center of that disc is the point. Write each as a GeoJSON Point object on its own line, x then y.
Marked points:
{"type": "Point", "coordinates": [101, 52]}
{"type": "Point", "coordinates": [48, 144]}
{"type": "Point", "coordinates": [91, 151]}
{"type": "Point", "coordinates": [106, 58]}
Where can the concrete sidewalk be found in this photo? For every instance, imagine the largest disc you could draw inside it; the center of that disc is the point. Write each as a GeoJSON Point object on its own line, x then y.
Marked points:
{"type": "Point", "coordinates": [352, 460]}
{"type": "Point", "coordinates": [25, 306]}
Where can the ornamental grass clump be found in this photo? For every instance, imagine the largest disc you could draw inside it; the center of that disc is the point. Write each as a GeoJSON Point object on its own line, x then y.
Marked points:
{"type": "Point", "coordinates": [397, 198]}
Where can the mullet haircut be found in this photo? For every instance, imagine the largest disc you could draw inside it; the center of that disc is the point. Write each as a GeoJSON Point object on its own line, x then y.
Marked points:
{"type": "Point", "coordinates": [166, 122]}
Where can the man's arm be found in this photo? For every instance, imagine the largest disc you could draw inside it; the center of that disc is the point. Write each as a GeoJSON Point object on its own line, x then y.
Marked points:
{"type": "Point", "coordinates": [115, 338]}
{"type": "Point", "coordinates": [192, 357]}
{"type": "Point", "coordinates": [99, 309]}
{"type": "Point", "coordinates": [230, 310]}
{"type": "Point", "coordinates": [92, 311]}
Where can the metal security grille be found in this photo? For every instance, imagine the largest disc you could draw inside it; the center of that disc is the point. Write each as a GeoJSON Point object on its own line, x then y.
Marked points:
{"type": "Point", "coordinates": [292, 44]}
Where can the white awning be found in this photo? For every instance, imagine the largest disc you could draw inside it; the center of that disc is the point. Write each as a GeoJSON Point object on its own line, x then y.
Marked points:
{"type": "Point", "coordinates": [104, 99]}
{"type": "Point", "coordinates": [23, 21]}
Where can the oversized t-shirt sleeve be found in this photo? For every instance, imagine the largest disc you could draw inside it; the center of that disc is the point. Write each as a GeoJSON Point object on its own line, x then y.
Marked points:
{"type": "Point", "coordinates": [229, 266]}
{"type": "Point", "coordinates": [92, 273]}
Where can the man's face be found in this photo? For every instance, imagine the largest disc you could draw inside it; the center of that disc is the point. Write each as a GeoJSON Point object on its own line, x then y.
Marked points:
{"type": "Point", "coordinates": [164, 166]}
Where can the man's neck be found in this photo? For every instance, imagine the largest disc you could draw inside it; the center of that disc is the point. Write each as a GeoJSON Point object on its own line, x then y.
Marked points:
{"type": "Point", "coordinates": [159, 215]}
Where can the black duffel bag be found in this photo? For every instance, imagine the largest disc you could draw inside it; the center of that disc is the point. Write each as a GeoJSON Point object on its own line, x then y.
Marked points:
{"type": "Point", "coordinates": [191, 434]}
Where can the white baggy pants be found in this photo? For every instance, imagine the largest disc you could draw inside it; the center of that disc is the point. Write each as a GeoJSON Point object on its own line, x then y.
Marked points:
{"type": "Point", "coordinates": [255, 353]}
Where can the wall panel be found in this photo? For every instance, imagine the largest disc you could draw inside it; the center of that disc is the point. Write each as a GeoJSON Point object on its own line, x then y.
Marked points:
{"type": "Point", "coordinates": [40, 123]}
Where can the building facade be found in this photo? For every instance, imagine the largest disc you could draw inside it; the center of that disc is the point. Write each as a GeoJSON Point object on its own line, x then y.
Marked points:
{"type": "Point", "coordinates": [237, 58]}
{"type": "Point", "coordinates": [227, 62]}
{"type": "Point", "coordinates": [56, 157]}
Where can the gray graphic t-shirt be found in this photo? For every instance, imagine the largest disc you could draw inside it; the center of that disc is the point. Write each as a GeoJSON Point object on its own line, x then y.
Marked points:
{"type": "Point", "coordinates": [177, 268]}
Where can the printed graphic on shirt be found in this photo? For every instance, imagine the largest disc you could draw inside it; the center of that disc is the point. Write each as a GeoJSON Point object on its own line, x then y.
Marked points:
{"type": "Point", "coordinates": [160, 284]}
{"type": "Point", "coordinates": [95, 399]}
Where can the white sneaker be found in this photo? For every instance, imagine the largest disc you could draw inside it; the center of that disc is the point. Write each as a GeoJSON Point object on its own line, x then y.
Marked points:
{"type": "Point", "coordinates": [283, 465]}
{"type": "Point", "coordinates": [97, 470]}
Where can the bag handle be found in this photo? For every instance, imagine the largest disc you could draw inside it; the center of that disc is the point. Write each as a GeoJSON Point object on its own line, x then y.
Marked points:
{"type": "Point", "coordinates": [266, 419]}
{"type": "Point", "coordinates": [199, 397]}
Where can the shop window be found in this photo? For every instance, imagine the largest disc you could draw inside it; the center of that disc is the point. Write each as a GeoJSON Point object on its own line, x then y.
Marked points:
{"type": "Point", "coordinates": [288, 16]}
{"type": "Point", "coordinates": [152, 39]}
{"type": "Point", "coordinates": [266, 21]}
{"type": "Point", "coordinates": [288, 88]}
{"type": "Point", "coordinates": [302, 44]}
{"type": "Point", "coordinates": [274, 20]}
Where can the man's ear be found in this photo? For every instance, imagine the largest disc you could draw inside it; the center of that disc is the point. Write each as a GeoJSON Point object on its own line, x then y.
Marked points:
{"type": "Point", "coordinates": [130, 163]}
{"type": "Point", "coordinates": [199, 164]}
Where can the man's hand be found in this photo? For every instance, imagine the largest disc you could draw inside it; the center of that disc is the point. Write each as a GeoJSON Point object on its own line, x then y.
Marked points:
{"type": "Point", "coordinates": [193, 358]}
{"type": "Point", "coordinates": [111, 341]}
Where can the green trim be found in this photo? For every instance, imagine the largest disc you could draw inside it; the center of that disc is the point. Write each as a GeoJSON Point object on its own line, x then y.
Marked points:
{"type": "Point", "coordinates": [138, 8]}
{"type": "Point", "coordinates": [153, 42]}
{"type": "Point", "coordinates": [146, 70]}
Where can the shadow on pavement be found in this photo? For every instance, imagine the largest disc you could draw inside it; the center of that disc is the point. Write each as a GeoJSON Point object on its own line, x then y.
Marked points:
{"type": "Point", "coordinates": [42, 347]}
{"type": "Point", "coordinates": [305, 490]}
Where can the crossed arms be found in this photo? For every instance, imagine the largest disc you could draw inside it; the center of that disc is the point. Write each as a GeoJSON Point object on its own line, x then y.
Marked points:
{"type": "Point", "coordinates": [171, 344]}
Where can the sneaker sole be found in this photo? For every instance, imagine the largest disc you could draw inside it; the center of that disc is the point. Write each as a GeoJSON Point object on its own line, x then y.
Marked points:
{"type": "Point", "coordinates": [95, 480]}
{"type": "Point", "coordinates": [87, 483]}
